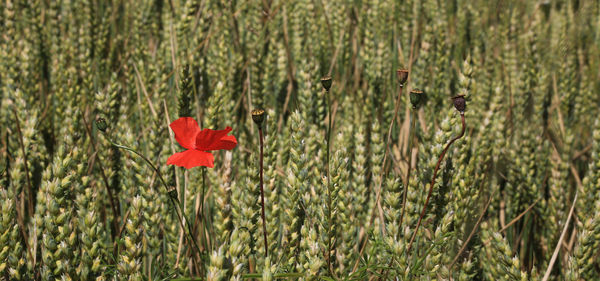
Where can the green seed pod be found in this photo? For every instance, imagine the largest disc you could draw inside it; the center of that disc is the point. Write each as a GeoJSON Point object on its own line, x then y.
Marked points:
{"type": "Point", "coordinates": [417, 97]}
{"type": "Point", "coordinates": [326, 82]}
{"type": "Point", "coordinates": [101, 124]}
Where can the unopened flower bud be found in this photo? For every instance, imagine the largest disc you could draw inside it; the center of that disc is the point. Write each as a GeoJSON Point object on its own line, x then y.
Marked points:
{"type": "Point", "coordinates": [459, 103]}
{"type": "Point", "coordinates": [101, 124]}
{"type": "Point", "coordinates": [258, 116]}
{"type": "Point", "coordinates": [402, 75]}
{"type": "Point", "coordinates": [326, 82]}
{"type": "Point", "coordinates": [416, 98]}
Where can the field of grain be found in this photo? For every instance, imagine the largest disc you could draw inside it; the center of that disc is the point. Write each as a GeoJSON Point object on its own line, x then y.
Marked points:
{"type": "Point", "coordinates": [370, 140]}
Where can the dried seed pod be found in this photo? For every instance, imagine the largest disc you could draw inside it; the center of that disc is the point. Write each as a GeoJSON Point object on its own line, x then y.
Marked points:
{"type": "Point", "coordinates": [459, 103]}
{"type": "Point", "coordinates": [402, 75]}
{"type": "Point", "coordinates": [326, 82]}
{"type": "Point", "coordinates": [258, 116]}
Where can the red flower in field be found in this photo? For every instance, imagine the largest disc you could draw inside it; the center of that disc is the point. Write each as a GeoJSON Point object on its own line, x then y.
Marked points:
{"type": "Point", "coordinates": [198, 143]}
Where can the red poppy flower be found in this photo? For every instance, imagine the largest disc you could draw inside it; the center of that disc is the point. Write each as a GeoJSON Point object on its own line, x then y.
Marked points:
{"type": "Point", "coordinates": [198, 143]}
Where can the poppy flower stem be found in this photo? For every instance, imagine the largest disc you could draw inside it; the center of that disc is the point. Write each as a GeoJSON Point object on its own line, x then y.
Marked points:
{"type": "Point", "coordinates": [262, 192]}
{"type": "Point", "coordinates": [329, 199]}
{"type": "Point", "coordinates": [385, 161]}
{"type": "Point", "coordinates": [435, 171]}
{"type": "Point", "coordinates": [173, 200]}
{"type": "Point", "coordinates": [408, 169]}
{"type": "Point", "coordinates": [202, 218]}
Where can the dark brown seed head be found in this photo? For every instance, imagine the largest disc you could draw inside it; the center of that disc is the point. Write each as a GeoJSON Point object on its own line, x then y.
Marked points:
{"type": "Point", "coordinates": [416, 98]}
{"type": "Point", "coordinates": [326, 82]}
{"type": "Point", "coordinates": [101, 124]}
{"type": "Point", "coordinates": [459, 103]}
{"type": "Point", "coordinates": [258, 116]}
{"type": "Point", "coordinates": [402, 75]}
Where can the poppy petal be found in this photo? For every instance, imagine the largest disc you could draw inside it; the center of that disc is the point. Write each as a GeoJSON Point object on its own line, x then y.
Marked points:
{"type": "Point", "coordinates": [191, 158]}
{"type": "Point", "coordinates": [208, 139]}
{"type": "Point", "coordinates": [226, 142]}
{"type": "Point", "coordinates": [185, 129]}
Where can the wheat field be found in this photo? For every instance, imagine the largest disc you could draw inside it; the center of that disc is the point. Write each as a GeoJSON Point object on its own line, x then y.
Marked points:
{"type": "Point", "coordinates": [370, 140]}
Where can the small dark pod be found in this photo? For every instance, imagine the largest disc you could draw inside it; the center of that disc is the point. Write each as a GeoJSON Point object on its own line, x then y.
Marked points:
{"type": "Point", "coordinates": [258, 116]}
{"type": "Point", "coordinates": [459, 103]}
{"type": "Point", "coordinates": [326, 82]}
{"type": "Point", "coordinates": [417, 97]}
{"type": "Point", "coordinates": [402, 75]}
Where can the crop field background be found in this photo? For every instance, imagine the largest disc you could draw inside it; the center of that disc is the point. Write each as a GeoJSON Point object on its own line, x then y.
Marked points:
{"type": "Point", "coordinates": [376, 178]}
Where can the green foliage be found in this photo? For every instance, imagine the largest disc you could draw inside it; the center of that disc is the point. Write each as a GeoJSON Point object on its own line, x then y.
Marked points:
{"type": "Point", "coordinates": [74, 207]}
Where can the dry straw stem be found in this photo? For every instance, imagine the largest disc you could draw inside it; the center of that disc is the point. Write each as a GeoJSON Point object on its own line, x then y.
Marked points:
{"type": "Point", "coordinates": [559, 243]}
{"type": "Point", "coordinates": [387, 151]}
{"type": "Point", "coordinates": [464, 246]}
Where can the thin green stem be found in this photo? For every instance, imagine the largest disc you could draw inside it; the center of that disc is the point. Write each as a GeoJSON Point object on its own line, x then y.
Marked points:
{"type": "Point", "coordinates": [202, 220]}
{"type": "Point", "coordinates": [174, 201]}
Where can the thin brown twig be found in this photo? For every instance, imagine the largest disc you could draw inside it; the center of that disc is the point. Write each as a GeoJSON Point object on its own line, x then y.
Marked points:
{"type": "Point", "coordinates": [21, 144]}
{"type": "Point", "coordinates": [262, 192]}
{"type": "Point", "coordinates": [581, 152]}
{"type": "Point", "coordinates": [562, 236]}
{"type": "Point", "coordinates": [406, 186]}
{"type": "Point", "coordinates": [120, 230]}
{"type": "Point", "coordinates": [437, 167]}
{"type": "Point", "coordinates": [404, 193]}
{"type": "Point", "coordinates": [513, 221]}
{"type": "Point", "coordinates": [104, 178]}
{"type": "Point", "coordinates": [464, 246]}
{"type": "Point", "coordinates": [385, 158]}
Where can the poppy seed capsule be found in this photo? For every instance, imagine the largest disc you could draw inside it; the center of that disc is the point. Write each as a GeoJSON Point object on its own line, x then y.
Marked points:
{"type": "Point", "coordinates": [258, 115]}
{"type": "Point", "coordinates": [101, 124]}
{"type": "Point", "coordinates": [326, 82]}
{"type": "Point", "coordinates": [416, 98]}
{"type": "Point", "coordinates": [402, 75]}
{"type": "Point", "coordinates": [459, 103]}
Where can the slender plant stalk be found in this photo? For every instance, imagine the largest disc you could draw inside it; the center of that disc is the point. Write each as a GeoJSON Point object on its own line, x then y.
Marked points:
{"type": "Point", "coordinates": [113, 205]}
{"type": "Point", "coordinates": [464, 246]}
{"type": "Point", "coordinates": [262, 191]}
{"type": "Point", "coordinates": [410, 146]}
{"type": "Point", "coordinates": [202, 220]}
{"type": "Point", "coordinates": [29, 191]}
{"type": "Point", "coordinates": [387, 151]}
{"type": "Point", "coordinates": [559, 243]}
{"type": "Point", "coordinates": [413, 133]}
{"type": "Point", "coordinates": [437, 167]}
{"type": "Point", "coordinates": [29, 186]}
{"type": "Point", "coordinates": [383, 171]}
{"type": "Point", "coordinates": [174, 201]}
{"type": "Point", "coordinates": [329, 238]}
